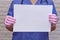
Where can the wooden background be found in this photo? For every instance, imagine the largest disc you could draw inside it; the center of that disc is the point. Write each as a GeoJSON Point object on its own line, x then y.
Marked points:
{"type": "Point", "coordinates": [7, 35]}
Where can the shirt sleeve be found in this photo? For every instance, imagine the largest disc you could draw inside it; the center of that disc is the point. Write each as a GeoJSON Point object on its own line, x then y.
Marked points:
{"type": "Point", "coordinates": [10, 10]}
{"type": "Point", "coordinates": [54, 9]}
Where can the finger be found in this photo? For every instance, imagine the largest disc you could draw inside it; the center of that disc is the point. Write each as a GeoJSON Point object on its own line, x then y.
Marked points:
{"type": "Point", "coordinates": [52, 14]}
{"type": "Point", "coordinates": [53, 17]}
{"type": "Point", "coordinates": [11, 20]}
{"type": "Point", "coordinates": [7, 23]}
{"type": "Point", "coordinates": [53, 22]}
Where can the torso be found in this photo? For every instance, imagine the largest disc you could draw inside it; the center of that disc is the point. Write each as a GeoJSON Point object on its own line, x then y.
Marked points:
{"type": "Point", "coordinates": [30, 35]}
{"type": "Point", "coordinates": [30, 2]}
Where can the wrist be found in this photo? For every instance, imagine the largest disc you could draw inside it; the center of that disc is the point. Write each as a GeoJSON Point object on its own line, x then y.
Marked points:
{"type": "Point", "coordinates": [53, 27]}
{"type": "Point", "coordinates": [9, 27]}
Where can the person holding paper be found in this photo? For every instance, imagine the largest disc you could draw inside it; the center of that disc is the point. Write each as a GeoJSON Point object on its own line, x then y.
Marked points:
{"type": "Point", "coordinates": [10, 20]}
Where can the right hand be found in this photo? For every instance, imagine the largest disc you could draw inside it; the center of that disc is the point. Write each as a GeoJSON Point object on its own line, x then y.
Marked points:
{"type": "Point", "coordinates": [9, 22]}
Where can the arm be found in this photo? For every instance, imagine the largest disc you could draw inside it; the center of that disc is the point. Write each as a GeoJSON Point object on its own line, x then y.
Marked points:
{"type": "Point", "coordinates": [53, 24]}
{"type": "Point", "coordinates": [8, 25]}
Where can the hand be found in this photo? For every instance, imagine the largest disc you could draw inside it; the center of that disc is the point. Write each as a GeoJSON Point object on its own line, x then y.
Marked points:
{"type": "Point", "coordinates": [53, 20]}
{"type": "Point", "coordinates": [9, 21]}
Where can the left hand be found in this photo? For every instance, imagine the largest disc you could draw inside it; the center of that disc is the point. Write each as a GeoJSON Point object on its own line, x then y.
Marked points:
{"type": "Point", "coordinates": [53, 20]}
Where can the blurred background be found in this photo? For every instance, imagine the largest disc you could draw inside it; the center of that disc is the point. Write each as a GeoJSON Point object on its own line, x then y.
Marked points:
{"type": "Point", "coordinates": [7, 35]}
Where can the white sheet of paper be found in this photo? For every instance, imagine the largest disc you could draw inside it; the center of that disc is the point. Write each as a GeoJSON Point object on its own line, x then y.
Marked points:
{"type": "Point", "coordinates": [32, 18]}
